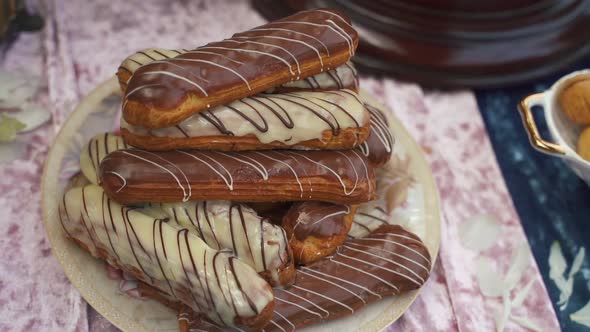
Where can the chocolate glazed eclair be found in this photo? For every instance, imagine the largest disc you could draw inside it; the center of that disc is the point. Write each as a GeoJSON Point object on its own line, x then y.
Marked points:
{"type": "Point", "coordinates": [137, 176]}
{"type": "Point", "coordinates": [163, 93]}
{"type": "Point", "coordinates": [386, 262]}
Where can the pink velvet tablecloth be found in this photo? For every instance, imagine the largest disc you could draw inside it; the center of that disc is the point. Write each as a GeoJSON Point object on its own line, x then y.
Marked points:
{"type": "Point", "coordinates": [82, 44]}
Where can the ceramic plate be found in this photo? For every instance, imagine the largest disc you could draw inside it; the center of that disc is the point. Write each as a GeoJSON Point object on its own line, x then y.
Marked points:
{"type": "Point", "coordinates": [114, 296]}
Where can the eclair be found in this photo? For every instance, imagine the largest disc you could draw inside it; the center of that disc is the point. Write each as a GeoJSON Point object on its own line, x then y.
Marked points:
{"type": "Point", "coordinates": [316, 229]}
{"type": "Point", "coordinates": [163, 93]}
{"type": "Point", "coordinates": [298, 120]}
{"type": "Point", "coordinates": [225, 225]}
{"type": "Point", "coordinates": [138, 176]}
{"type": "Point", "coordinates": [389, 261]}
{"type": "Point", "coordinates": [214, 283]}
{"type": "Point", "coordinates": [341, 77]}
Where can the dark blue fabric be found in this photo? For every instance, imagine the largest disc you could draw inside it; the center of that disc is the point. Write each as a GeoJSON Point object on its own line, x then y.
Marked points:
{"type": "Point", "coordinates": [552, 202]}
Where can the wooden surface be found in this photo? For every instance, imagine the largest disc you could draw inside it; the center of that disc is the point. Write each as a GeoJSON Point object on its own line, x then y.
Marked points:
{"type": "Point", "coordinates": [457, 42]}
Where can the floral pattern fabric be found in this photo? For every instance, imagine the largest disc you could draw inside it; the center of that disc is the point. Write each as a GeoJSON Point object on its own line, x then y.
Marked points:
{"type": "Point", "coordinates": [83, 43]}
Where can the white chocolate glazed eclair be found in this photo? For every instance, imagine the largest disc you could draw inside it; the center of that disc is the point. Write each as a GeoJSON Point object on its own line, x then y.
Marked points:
{"type": "Point", "coordinates": [172, 259]}
{"type": "Point", "coordinates": [299, 120]}
{"type": "Point", "coordinates": [233, 226]}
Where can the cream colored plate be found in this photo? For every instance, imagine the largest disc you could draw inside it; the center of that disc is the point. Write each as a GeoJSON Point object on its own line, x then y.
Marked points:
{"type": "Point", "coordinates": [99, 112]}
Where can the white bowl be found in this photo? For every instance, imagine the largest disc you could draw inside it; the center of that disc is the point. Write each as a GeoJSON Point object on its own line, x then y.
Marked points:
{"type": "Point", "coordinates": [564, 132]}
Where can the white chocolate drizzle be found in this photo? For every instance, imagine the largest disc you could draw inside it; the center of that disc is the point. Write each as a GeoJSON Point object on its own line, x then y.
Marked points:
{"type": "Point", "coordinates": [164, 255]}
{"type": "Point", "coordinates": [231, 226]}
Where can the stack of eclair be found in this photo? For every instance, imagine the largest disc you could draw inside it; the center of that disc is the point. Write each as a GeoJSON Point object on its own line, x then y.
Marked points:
{"type": "Point", "coordinates": [236, 177]}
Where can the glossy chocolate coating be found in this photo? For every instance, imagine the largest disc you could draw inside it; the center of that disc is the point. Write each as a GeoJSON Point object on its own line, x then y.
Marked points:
{"type": "Point", "coordinates": [133, 176]}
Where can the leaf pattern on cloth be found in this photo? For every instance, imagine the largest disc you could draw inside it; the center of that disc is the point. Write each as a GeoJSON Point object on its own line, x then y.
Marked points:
{"type": "Point", "coordinates": [557, 268]}
{"type": "Point", "coordinates": [582, 316]}
{"type": "Point", "coordinates": [395, 181]}
{"type": "Point", "coordinates": [479, 235]}
{"type": "Point", "coordinates": [9, 127]}
{"type": "Point", "coordinates": [18, 111]}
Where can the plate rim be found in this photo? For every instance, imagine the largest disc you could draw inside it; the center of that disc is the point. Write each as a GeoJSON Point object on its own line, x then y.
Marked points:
{"type": "Point", "coordinates": [57, 151]}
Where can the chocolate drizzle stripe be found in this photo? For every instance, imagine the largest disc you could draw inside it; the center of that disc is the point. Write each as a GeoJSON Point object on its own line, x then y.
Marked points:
{"type": "Point", "coordinates": [104, 220]}
{"type": "Point", "coordinates": [210, 226]}
{"type": "Point", "coordinates": [61, 220]}
{"type": "Point", "coordinates": [217, 278]}
{"type": "Point", "coordinates": [288, 122]}
{"type": "Point", "coordinates": [111, 215]}
{"type": "Point", "coordinates": [263, 128]}
{"type": "Point", "coordinates": [126, 223]}
{"type": "Point", "coordinates": [231, 296]}
{"type": "Point", "coordinates": [261, 113]}
{"type": "Point", "coordinates": [155, 254]}
{"type": "Point", "coordinates": [154, 227]}
{"type": "Point", "coordinates": [90, 235]}
{"type": "Point", "coordinates": [212, 218]}
{"type": "Point", "coordinates": [237, 280]}
{"type": "Point", "coordinates": [188, 280]}
{"type": "Point", "coordinates": [335, 127]}
{"type": "Point", "coordinates": [195, 271]}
